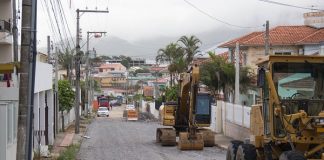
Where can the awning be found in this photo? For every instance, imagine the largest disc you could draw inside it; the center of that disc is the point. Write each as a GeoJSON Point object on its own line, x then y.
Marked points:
{"type": "Point", "coordinates": [8, 67]}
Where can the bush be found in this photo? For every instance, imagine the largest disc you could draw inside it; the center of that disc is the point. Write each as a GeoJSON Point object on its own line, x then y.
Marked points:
{"type": "Point", "coordinates": [69, 153]}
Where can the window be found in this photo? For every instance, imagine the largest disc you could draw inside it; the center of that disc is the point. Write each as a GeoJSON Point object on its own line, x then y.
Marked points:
{"type": "Point", "coordinates": [283, 53]}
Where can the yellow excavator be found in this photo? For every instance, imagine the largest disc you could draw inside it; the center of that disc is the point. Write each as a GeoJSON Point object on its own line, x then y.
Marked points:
{"type": "Point", "coordinates": [289, 123]}
{"type": "Point", "coordinates": [187, 117]}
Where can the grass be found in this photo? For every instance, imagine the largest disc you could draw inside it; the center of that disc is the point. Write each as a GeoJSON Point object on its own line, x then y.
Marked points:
{"type": "Point", "coordinates": [70, 152]}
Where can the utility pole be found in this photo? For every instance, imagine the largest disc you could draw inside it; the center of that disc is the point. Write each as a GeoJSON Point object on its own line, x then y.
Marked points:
{"type": "Point", "coordinates": [87, 84]}
{"type": "Point", "coordinates": [77, 68]}
{"type": "Point", "coordinates": [57, 104]}
{"type": "Point", "coordinates": [27, 77]}
{"type": "Point", "coordinates": [266, 39]}
{"type": "Point", "coordinates": [49, 49]}
{"type": "Point", "coordinates": [237, 74]}
{"type": "Point", "coordinates": [15, 42]}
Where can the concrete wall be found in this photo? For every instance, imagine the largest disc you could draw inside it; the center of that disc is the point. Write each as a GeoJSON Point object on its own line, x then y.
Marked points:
{"type": "Point", "coordinates": [231, 120]}
{"type": "Point", "coordinates": [152, 109]}
{"type": "Point", "coordinates": [255, 53]}
{"type": "Point", "coordinates": [311, 49]}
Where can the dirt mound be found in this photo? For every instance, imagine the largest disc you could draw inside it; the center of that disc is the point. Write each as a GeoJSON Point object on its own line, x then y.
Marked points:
{"type": "Point", "coordinates": [148, 117]}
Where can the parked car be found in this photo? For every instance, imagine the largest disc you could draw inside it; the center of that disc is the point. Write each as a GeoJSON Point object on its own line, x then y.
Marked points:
{"type": "Point", "coordinates": [130, 107]}
{"type": "Point", "coordinates": [115, 103]}
{"type": "Point", "coordinates": [103, 111]}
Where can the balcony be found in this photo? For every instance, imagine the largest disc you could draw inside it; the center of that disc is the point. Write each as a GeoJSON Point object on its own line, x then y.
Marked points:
{"type": "Point", "coordinates": [5, 32]}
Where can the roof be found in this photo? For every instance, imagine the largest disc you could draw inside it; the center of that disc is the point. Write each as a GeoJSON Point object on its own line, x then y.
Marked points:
{"type": "Point", "coordinates": [157, 69]}
{"type": "Point", "coordinates": [148, 91]}
{"type": "Point", "coordinates": [117, 66]}
{"type": "Point", "coordinates": [281, 35]}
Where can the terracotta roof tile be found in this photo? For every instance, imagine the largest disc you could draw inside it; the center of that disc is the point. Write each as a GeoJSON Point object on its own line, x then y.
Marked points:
{"type": "Point", "coordinates": [148, 91]}
{"type": "Point", "coordinates": [313, 38]}
{"type": "Point", "coordinates": [281, 35]}
{"type": "Point", "coordinates": [240, 39]}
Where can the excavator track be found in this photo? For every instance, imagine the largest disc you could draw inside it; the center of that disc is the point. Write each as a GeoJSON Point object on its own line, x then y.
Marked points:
{"type": "Point", "coordinates": [208, 137]}
{"type": "Point", "coordinates": [166, 136]}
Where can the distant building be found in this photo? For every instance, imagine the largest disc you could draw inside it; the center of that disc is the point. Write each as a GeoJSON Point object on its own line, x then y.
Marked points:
{"type": "Point", "coordinates": [111, 67]}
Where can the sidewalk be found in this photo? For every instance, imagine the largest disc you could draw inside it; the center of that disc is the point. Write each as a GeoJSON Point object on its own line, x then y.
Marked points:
{"type": "Point", "coordinates": [67, 138]}
{"type": "Point", "coordinates": [222, 141]}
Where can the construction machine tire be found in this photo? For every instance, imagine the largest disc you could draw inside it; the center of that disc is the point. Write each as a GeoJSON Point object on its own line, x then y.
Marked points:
{"type": "Point", "coordinates": [246, 152]}
{"type": "Point", "coordinates": [190, 144]}
{"type": "Point", "coordinates": [232, 149]}
{"type": "Point", "coordinates": [292, 155]}
{"type": "Point", "coordinates": [208, 136]}
{"type": "Point", "coordinates": [166, 136]}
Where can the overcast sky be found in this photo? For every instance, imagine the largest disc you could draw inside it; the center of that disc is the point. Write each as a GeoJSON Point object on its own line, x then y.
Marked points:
{"type": "Point", "coordinates": [135, 20]}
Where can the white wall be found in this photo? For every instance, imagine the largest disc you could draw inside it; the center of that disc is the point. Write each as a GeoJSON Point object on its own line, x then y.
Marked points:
{"type": "Point", "coordinates": [43, 77]}
{"type": "Point", "coordinates": [310, 49]}
{"type": "Point", "coordinates": [5, 51]}
{"type": "Point", "coordinates": [230, 119]}
{"type": "Point", "coordinates": [153, 111]}
{"type": "Point", "coordinates": [8, 131]}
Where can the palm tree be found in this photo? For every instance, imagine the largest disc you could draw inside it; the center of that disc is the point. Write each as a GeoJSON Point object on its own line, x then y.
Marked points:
{"type": "Point", "coordinates": [190, 46]}
{"type": "Point", "coordinates": [65, 60]}
{"type": "Point", "coordinates": [170, 54]}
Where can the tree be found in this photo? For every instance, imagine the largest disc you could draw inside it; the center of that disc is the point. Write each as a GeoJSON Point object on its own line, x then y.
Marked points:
{"type": "Point", "coordinates": [125, 63]}
{"type": "Point", "coordinates": [219, 75]}
{"type": "Point", "coordinates": [65, 60]}
{"type": "Point", "coordinates": [171, 93]}
{"type": "Point", "coordinates": [170, 54]}
{"type": "Point", "coordinates": [190, 45]}
{"type": "Point", "coordinates": [66, 95]}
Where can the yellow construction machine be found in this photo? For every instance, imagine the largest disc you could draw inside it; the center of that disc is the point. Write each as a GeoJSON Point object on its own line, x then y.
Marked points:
{"type": "Point", "coordinates": [289, 123]}
{"type": "Point", "coordinates": [188, 116]}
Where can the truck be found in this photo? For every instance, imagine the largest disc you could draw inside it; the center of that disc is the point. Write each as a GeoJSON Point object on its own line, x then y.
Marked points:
{"type": "Point", "coordinates": [103, 101]}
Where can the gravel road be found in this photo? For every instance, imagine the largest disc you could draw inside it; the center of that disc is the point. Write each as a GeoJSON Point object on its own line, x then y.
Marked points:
{"type": "Point", "coordinates": [114, 138]}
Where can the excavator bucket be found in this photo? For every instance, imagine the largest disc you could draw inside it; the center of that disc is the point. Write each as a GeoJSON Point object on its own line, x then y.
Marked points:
{"type": "Point", "coordinates": [208, 136]}
{"type": "Point", "coordinates": [185, 143]}
{"type": "Point", "coordinates": [166, 136]}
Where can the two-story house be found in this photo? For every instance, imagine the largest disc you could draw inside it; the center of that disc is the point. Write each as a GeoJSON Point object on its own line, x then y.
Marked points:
{"type": "Point", "coordinates": [305, 39]}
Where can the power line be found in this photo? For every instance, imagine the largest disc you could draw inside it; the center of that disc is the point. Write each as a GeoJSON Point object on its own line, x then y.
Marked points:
{"type": "Point", "coordinates": [56, 39]}
{"type": "Point", "coordinates": [62, 23]}
{"type": "Point", "coordinates": [55, 16]}
{"type": "Point", "coordinates": [289, 5]}
{"type": "Point", "coordinates": [52, 24]}
{"type": "Point", "coordinates": [67, 25]}
{"type": "Point", "coordinates": [217, 19]}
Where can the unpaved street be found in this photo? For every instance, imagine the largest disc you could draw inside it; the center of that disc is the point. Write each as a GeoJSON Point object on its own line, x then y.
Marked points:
{"type": "Point", "coordinates": [116, 139]}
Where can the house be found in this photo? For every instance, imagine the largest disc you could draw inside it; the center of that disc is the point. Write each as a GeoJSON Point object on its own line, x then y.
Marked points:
{"type": "Point", "coordinates": [148, 91]}
{"type": "Point", "coordinates": [283, 40]}
{"type": "Point", "coordinates": [111, 67]}
{"type": "Point", "coordinates": [8, 85]}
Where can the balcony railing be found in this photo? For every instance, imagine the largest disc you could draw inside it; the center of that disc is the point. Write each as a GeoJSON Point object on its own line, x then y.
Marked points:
{"type": "Point", "coordinates": [4, 26]}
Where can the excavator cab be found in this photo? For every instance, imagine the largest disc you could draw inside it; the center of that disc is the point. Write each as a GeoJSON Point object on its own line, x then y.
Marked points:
{"type": "Point", "coordinates": [203, 110]}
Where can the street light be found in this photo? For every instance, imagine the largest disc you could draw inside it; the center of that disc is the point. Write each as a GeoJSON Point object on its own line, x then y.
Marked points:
{"type": "Point", "coordinates": [87, 84]}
